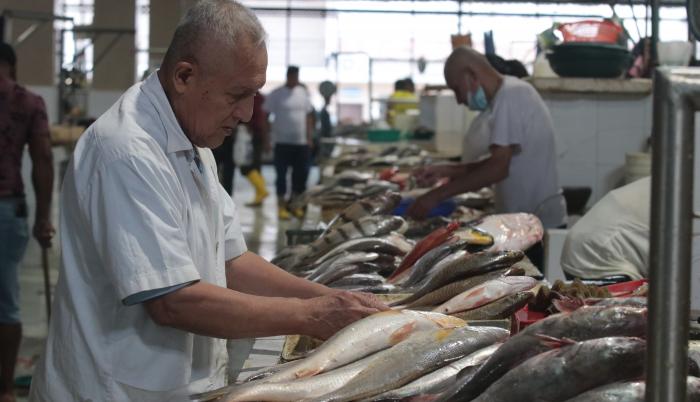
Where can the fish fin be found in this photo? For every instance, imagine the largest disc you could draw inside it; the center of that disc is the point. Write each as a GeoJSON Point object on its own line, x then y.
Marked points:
{"type": "Point", "coordinates": [554, 342]}
{"type": "Point", "coordinates": [211, 395]}
{"type": "Point", "coordinates": [310, 372]}
{"type": "Point", "coordinates": [448, 321]}
{"type": "Point", "coordinates": [402, 333]}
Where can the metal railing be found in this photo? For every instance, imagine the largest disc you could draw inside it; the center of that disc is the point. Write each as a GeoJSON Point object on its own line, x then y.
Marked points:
{"type": "Point", "coordinates": [676, 100]}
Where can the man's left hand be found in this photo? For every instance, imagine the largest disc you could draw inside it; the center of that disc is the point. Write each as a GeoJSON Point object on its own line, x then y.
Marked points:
{"type": "Point", "coordinates": [44, 232]}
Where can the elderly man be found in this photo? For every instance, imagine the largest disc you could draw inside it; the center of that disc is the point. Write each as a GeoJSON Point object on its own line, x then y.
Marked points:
{"type": "Point", "coordinates": [155, 270]}
{"type": "Point", "coordinates": [509, 145]}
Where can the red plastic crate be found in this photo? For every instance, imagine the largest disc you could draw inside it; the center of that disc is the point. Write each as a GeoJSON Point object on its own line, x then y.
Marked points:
{"type": "Point", "coordinates": [591, 31]}
{"type": "Point", "coordinates": [624, 289]}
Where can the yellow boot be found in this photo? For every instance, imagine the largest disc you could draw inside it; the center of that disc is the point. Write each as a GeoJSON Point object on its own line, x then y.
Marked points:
{"type": "Point", "coordinates": [258, 183]}
{"type": "Point", "coordinates": [282, 211]}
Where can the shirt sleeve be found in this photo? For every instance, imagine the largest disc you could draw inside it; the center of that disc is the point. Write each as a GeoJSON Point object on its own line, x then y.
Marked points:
{"type": "Point", "coordinates": [136, 217]}
{"type": "Point", "coordinates": [507, 125]}
{"type": "Point", "coordinates": [234, 242]}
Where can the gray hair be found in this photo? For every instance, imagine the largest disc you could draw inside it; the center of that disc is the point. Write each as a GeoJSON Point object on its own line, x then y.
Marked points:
{"type": "Point", "coordinates": [226, 22]}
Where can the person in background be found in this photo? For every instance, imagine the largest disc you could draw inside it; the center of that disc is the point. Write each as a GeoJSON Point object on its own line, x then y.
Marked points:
{"type": "Point", "coordinates": [510, 146]}
{"type": "Point", "coordinates": [325, 130]}
{"type": "Point", "coordinates": [402, 100]}
{"type": "Point", "coordinates": [226, 166]}
{"type": "Point", "coordinates": [259, 129]}
{"type": "Point", "coordinates": [23, 122]}
{"type": "Point", "coordinates": [292, 127]}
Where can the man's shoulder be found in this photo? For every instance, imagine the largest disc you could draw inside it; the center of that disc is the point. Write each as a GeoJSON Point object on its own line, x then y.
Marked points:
{"type": "Point", "coordinates": [29, 99]}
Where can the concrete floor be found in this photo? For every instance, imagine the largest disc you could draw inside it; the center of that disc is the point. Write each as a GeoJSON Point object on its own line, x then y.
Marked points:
{"type": "Point", "coordinates": [264, 235]}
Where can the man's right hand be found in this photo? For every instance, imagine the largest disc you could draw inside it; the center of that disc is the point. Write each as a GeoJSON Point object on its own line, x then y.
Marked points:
{"type": "Point", "coordinates": [329, 314]}
{"type": "Point", "coordinates": [427, 176]}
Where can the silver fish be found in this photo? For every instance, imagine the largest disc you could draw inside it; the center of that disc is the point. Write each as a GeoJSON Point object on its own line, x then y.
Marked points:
{"type": "Point", "coordinates": [428, 260]}
{"type": "Point", "coordinates": [394, 244]}
{"type": "Point", "coordinates": [325, 272]}
{"type": "Point", "coordinates": [376, 205]}
{"type": "Point", "coordinates": [358, 280]}
{"type": "Point", "coordinates": [632, 391]}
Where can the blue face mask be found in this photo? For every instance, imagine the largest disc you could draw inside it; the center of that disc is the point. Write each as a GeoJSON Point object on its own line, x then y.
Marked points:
{"type": "Point", "coordinates": [477, 100]}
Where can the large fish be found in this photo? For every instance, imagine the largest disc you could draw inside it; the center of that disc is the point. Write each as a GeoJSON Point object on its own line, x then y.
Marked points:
{"type": "Point", "coordinates": [419, 354]}
{"type": "Point", "coordinates": [434, 239]}
{"type": "Point", "coordinates": [425, 263]}
{"type": "Point", "coordinates": [468, 265]}
{"type": "Point", "coordinates": [394, 244]}
{"type": "Point", "coordinates": [364, 337]}
{"type": "Point", "coordinates": [380, 204]}
{"type": "Point", "coordinates": [582, 324]}
{"type": "Point", "coordinates": [500, 309]}
{"type": "Point", "coordinates": [632, 391]}
{"type": "Point", "coordinates": [440, 378]}
{"type": "Point", "coordinates": [486, 293]}
{"type": "Point", "coordinates": [451, 290]}
{"type": "Point", "coordinates": [326, 271]}
{"type": "Point", "coordinates": [563, 373]}
{"type": "Point", "coordinates": [518, 231]}
{"type": "Point", "coordinates": [357, 281]}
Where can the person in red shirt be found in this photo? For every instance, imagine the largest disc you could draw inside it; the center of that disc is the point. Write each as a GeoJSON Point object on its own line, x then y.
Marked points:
{"type": "Point", "coordinates": [259, 129]}
{"type": "Point", "coordinates": [23, 122]}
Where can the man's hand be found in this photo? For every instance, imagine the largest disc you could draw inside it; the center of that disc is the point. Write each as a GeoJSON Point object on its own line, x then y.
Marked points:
{"type": "Point", "coordinates": [421, 207]}
{"type": "Point", "coordinates": [329, 314]}
{"type": "Point", "coordinates": [43, 232]}
{"type": "Point", "coordinates": [427, 176]}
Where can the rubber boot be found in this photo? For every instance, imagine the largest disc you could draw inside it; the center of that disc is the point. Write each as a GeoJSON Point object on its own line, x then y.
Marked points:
{"type": "Point", "coordinates": [258, 183]}
{"type": "Point", "coordinates": [282, 211]}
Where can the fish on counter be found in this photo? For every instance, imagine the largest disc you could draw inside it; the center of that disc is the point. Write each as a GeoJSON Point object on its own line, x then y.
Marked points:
{"type": "Point", "coordinates": [328, 270]}
{"type": "Point", "coordinates": [428, 261]}
{"type": "Point", "coordinates": [518, 231]}
{"type": "Point", "coordinates": [357, 281]}
{"type": "Point", "coordinates": [438, 379]}
{"type": "Point", "coordinates": [566, 372]}
{"type": "Point", "coordinates": [582, 324]}
{"type": "Point", "coordinates": [565, 304]}
{"type": "Point", "coordinates": [632, 391]}
{"type": "Point", "coordinates": [499, 309]}
{"type": "Point", "coordinates": [380, 204]}
{"type": "Point", "coordinates": [418, 229]}
{"type": "Point", "coordinates": [434, 239]}
{"type": "Point", "coordinates": [486, 293]}
{"type": "Point", "coordinates": [468, 265]}
{"type": "Point", "coordinates": [393, 244]}
{"type": "Point", "coordinates": [420, 354]}
{"type": "Point", "coordinates": [451, 290]}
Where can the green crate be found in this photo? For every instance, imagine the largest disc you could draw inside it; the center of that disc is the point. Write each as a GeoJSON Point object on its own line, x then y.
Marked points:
{"type": "Point", "coordinates": [389, 135]}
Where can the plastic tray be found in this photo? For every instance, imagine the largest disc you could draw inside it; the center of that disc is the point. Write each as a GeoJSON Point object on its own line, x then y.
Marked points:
{"type": "Point", "coordinates": [383, 135]}
{"type": "Point", "coordinates": [625, 288]}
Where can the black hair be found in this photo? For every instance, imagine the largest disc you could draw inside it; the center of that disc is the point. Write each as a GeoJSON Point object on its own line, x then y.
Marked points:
{"type": "Point", "coordinates": [292, 70]}
{"type": "Point", "coordinates": [7, 54]}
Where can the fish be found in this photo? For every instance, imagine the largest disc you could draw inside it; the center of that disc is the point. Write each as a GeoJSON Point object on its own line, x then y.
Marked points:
{"type": "Point", "coordinates": [437, 380]}
{"type": "Point", "coordinates": [632, 391]}
{"type": "Point", "coordinates": [565, 303]}
{"type": "Point", "coordinates": [394, 244]}
{"type": "Point", "coordinates": [421, 228]}
{"type": "Point", "coordinates": [499, 309]}
{"type": "Point", "coordinates": [379, 204]}
{"type": "Point", "coordinates": [468, 265]}
{"type": "Point", "coordinates": [474, 236]}
{"type": "Point", "coordinates": [563, 373]}
{"type": "Point", "coordinates": [364, 337]}
{"type": "Point", "coordinates": [268, 371]}
{"type": "Point", "coordinates": [451, 290]}
{"type": "Point", "coordinates": [518, 231]}
{"type": "Point", "coordinates": [326, 271]}
{"type": "Point", "coordinates": [582, 324]}
{"type": "Point", "coordinates": [358, 280]}
{"type": "Point", "coordinates": [486, 293]}
{"type": "Point", "coordinates": [417, 355]}
{"type": "Point", "coordinates": [425, 263]}
{"type": "Point", "coordinates": [434, 239]}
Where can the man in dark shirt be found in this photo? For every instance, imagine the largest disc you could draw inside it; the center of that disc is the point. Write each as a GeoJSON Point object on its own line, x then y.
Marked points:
{"type": "Point", "coordinates": [23, 122]}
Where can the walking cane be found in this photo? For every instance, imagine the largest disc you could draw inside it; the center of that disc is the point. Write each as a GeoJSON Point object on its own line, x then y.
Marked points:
{"type": "Point", "coordinates": [47, 283]}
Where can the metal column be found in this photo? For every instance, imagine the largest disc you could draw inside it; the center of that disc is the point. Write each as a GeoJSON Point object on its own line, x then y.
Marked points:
{"type": "Point", "coordinates": [676, 99]}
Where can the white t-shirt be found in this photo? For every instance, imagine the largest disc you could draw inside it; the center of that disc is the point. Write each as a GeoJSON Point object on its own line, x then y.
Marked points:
{"type": "Point", "coordinates": [138, 213]}
{"type": "Point", "coordinates": [289, 108]}
{"type": "Point", "coordinates": [518, 117]}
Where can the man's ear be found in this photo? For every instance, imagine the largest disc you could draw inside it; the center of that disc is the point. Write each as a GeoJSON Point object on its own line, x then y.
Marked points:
{"type": "Point", "coordinates": [184, 75]}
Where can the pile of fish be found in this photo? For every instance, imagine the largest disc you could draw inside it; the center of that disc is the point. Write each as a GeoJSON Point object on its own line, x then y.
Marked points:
{"type": "Point", "coordinates": [407, 156]}
{"type": "Point", "coordinates": [345, 188]}
{"type": "Point", "coordinates": [384, 356]}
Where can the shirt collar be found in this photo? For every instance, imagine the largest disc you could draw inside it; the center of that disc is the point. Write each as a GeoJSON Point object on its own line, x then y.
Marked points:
{"type": "Point", "coordinates": [176, 138]}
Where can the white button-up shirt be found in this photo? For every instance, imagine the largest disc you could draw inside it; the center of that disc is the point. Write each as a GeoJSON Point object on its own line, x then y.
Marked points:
{"type": "Point", "coordinates": [138, 213]}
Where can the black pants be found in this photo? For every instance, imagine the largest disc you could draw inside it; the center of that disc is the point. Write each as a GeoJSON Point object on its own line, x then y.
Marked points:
{"type": "Point", "coordinates": [298, 157]}
{"type": "Point", "coordinates": [256, 163]}
{"type": "Point", "coordinates": [223, 155]}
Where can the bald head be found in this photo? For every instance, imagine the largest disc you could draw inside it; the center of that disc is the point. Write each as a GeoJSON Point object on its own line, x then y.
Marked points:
{"type": "Point", "coordinates": [465, 58]}
{"type": "Point", "coordinates": [466, 70]}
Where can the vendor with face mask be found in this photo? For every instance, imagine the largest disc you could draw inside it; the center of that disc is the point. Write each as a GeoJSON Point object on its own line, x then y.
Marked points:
{"type": "Point", "coordinates": [510, 145]}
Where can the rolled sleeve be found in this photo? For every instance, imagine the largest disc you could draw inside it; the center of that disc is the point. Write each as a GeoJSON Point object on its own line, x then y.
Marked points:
{"type": "Point", "coordinates": [234, 242]}
{"type": "Point", "coordinates": [136, 217]}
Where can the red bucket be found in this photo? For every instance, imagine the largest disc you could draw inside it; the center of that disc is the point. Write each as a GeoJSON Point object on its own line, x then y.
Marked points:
{"type": "Point", "coordinates": [591, 31]}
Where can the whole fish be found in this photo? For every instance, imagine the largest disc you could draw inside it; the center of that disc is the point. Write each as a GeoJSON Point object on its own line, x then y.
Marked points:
{"type": "Point", "coordinates": [394, 244]}
{"type": "Point", "coordinates": [326, 272]}
{"type": "Point", "coordinates": [451, 290]}
{"type": "Point", "coordinates": [469, 265]}
{"type": "Point", "coordinates": [364, 337]}
{"type": "Point", "coordinates": [632, 391]}
{"type": "Point", "coordinates": [565, 303]}
{"type": "Point", "coordinates": [474, 236]}
{"type": "Point", "coordinates": [268, 371]}
{"type": "Point", "coordinates": [582, 324]}
{"type": "Point", "coordinates": [368, 226]}
{"type": "Point", "coordinates": [518, 231]}
{"type": "Point", "coordinates": [417, 355]}
{"type": "Point", "coordinates": [358, 280]}
{"type": "Point", "coordinates": [434, 239]}
{"type": "Point", "coordinates": [459, 254]}
{"type": "Point", "coordinates": [440, 378]}
{"type": "Point", "coordinates": [376, 205]}
{"type": "Point", "coordinates": [425, 263]}
{"type": "Point", "coordinates": [420, 229]}
{"type": "Point", "coordinates": [563, 373]}
{"type": "Point", "coordinates": [500, 309]}
{"type": "Point", "coordinates": [487, 293]}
